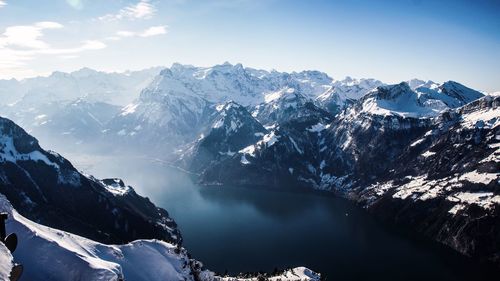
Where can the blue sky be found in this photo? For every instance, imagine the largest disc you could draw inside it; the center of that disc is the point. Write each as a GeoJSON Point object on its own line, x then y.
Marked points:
{"type": "Point", "coordinates": [388, 40]}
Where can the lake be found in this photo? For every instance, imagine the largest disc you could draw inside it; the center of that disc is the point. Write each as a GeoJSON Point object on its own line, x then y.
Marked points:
{"type": "Point", "coordinates": [244, 229]}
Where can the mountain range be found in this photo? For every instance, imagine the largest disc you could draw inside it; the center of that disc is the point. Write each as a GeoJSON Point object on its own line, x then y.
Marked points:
{"type": "Point", "coordinates": [420, 154]}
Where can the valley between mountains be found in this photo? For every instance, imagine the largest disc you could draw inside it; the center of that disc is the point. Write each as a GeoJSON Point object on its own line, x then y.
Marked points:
{"type": "Point", "coordinates": [420, 155]}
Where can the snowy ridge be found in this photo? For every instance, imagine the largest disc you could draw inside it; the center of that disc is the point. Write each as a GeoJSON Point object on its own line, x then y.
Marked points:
{"type": "Point", "coordinates": [71, 257]}
{"type": "Point", "coordinates": [9, 152]}
{"type": "Point", "coordinates": [224, 82]}
{"type": "Point", "coordinates": [116, 186]}
{"type": "Point", "coordinates": [427, 100]}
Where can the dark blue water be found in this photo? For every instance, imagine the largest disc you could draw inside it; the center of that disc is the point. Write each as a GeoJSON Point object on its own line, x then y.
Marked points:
{"type": "Point", "coordinates": [242, 229]}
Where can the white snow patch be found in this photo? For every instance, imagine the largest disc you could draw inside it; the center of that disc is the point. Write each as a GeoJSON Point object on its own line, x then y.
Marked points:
{"type": "Point", "coordinates": [317, 128]}
{"type": "Point", "coordinates": [487, 118]}
{"type": "Point", "coordinates": [115, 188]}
{"type": "Point", "coordinates": [417, 142]}
{"type": "Point", "coordinates": [477, 177]}
{"type": "Point", "coordinates": [244, 160]}
{"type": "Point", "coordinates": [296, 146]}
{"type": "Point", "coordinates": [129, 109]}
{"type": "Point", "coordinates": [6, 262]}
{"type": "Point", "coordinates": [428, 154]}
{"type": "Point", "coordinates": [248, 150]}
{"type": "Point", "coordinates": [484, 199]}
{"type": "Point", "coordinates": [270, 139]}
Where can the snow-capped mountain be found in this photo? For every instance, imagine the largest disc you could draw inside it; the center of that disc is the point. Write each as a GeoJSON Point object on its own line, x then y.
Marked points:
{"type": "Point", "coordinates": [225, 82]}
{"type": "Point", "coordinates": [417, 83]}
{"type": "Point", "coordinates": [285, 105]}
{"type": "Point", "coordinates": [284, 157]}
{"type": "Point", "coordinates": [401, 100]}
{"type": "Point", "coordinates": [176, 106]}
{"type": "Point", "coordinates": [52, 254]}
{"type": "Point", "coordinates": [451, 160]}
{"type": "Point", "coordinates": [45, 187]}
{"type": "Point", "coordinates": [232, 129]}
{"type": "Point", "coordinates": [342, 149]}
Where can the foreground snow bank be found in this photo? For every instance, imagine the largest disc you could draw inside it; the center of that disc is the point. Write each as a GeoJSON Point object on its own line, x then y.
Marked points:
{"type": "Point", "coordinates": [50, 254]}
{"type": "Point", "coordinates": [5, 262]}
{"type": "Point", "coordinates": [295, 274]}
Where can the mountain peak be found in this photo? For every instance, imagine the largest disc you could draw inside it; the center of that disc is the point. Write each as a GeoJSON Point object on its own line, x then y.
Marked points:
{"type": "Point", "coordinates": [459, 92]}
{"type": "Point", "coordinates": [390, 92]}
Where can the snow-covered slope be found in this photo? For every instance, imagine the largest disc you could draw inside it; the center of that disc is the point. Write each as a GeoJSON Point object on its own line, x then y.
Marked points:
{"type": "Point", "coordinates": [51, 254]}
{"type": "Point", "coordinates": [6, 262]}
{"type": "Point", "coordinates": [225, 82]}
{"type": "Point", "coordinates": [175, 107]}
{"type": "Point", "coordinates": [285, 105]}
{"type": "Point", "coordinates": [232, 129]}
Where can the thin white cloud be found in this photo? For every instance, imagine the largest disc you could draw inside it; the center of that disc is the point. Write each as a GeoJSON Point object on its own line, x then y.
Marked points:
{"type": "Point", "coordinates": [27, 36]}
{"type": "Point", "coordinates": [24, 43]}
{"type": "Point", "coordinates": [154, 31]}
{"type": "Point", "coordinates": [149, 32]}
{"type": "Point", "coordinates": [2, 3]}
{"type": "Point", "coordinates": [141, 10]}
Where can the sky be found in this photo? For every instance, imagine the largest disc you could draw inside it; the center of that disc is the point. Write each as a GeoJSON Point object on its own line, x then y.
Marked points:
{"type": "Point", "coordinates": [390, 40]}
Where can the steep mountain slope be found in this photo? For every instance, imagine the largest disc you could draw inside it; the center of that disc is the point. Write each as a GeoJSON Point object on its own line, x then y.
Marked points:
{"type": "Point", "coordinates": [286, 156]}
{"type": "Point", "coordinates": [285, 105]}
{"type": "Point", "coordinates": [233, 128]}
{"type": "Point", "coordinates": [51, 254]}
{"type": "Point", "coordinates": [176, 107]}
{"type": "Point", "coordinates": [45, 187]}
{"type": "Point", "coordinates": [449, 187]}
{"type": "Point", "coordinates": [380, 125]}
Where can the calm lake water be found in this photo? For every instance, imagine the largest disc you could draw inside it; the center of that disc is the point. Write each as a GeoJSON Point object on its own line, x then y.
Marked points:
{"type": "Point", "coordinates": [241, 229]}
